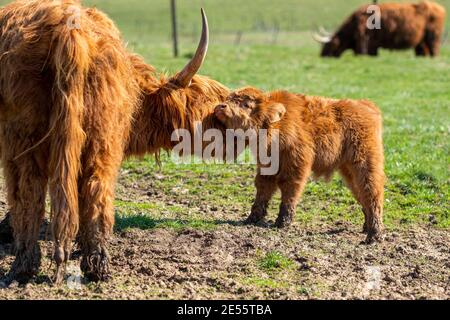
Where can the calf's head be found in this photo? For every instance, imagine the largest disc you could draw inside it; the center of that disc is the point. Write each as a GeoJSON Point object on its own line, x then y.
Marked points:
{"type": "Point", "coordinates": [248, 109]}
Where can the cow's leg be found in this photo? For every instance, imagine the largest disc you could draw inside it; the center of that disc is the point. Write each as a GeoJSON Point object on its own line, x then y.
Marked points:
{"type": "Point", "coordinates": [422, 49]}
{"type": "Point", "coordinates": [434, 44]}
{"type": "Point", "coordinates": [6, 232]}
{"type": "Point", "coordinates": [97, 212]}
{"type": "Point", "coordinates": [63, 189]}
{"type": "Point", "coordinates": [26, 183]}
{"type": "Point", "coordinates": [349, 179]}
{"type": "Point", "coordinates": [291, 187]}
{"type": "Point", "coordinates": [373, 51]}
{"type": "Point", "coordinates": [369, 181]}
{"type": "Point", "coordinates": [266, 186]}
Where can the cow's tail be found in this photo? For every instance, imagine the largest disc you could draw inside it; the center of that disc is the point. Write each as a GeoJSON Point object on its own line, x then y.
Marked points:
{"type": "Point", "coordinates": [70, 62]}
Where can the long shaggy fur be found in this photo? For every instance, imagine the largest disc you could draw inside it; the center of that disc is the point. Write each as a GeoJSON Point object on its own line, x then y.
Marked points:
{"type": "Point", "coordinates": [73, 103]}
{"type": "Point", "coordinates": [403, 26]}
{"type": "Point", "coordinates": [317, 136]}
{"type": "Point", "coordinates": [166, 107]}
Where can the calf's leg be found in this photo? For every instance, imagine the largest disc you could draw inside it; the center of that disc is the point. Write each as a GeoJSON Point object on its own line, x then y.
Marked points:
{"type": "Point", "coordinates": [369, 181]}
{"type": "Point", "coordinates": [349, 179]}
{"type": "Point", "coordinates": [266, 186]}
{"type": "Point", "coordinates": [291, 186]}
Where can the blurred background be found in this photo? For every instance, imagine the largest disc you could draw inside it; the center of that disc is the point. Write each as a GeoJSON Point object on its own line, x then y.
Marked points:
{"type": "Point", "coordinates": [283, 22]}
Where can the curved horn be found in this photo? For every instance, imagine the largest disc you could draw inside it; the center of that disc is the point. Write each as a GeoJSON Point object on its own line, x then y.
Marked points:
{"type": "Point", "coordinates": [184, 78]}
{"type": "Point", "coordinates": [323, 31]}
{"type": "Point", "coordinates": [321, 39]}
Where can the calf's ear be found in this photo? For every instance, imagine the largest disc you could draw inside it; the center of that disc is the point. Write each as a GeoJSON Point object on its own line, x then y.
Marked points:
{"type": "Point", "coordinates": [276, 112]}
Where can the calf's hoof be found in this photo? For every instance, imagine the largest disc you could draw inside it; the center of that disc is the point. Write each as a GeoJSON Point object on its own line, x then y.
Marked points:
{"type": "Point", "coordinates": [283, 222]}
{"type": "Point", "coordinates": [253, 219]}
{"type": "Point", "coordinates": [374, 237]}
{"type": "Point", "coordinates": [285, 217]}
{"type": "Point", "coordinates": [365, 229]}
{"type": "Point", "coordinates": [95, 266]}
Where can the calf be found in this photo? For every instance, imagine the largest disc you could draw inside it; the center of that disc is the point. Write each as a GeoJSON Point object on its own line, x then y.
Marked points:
{"type": "Point", "coordinates": [316, 135]}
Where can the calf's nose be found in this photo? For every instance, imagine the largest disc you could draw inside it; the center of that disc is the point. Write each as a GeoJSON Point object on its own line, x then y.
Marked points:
{"type": "Point", "coordinates": [220, 108]}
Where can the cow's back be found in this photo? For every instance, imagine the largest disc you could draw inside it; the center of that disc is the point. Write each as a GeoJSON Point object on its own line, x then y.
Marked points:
{"type": "Point", "coordinates": [29, 30]}
{"type": "Point", "coordinates": [402, 26]}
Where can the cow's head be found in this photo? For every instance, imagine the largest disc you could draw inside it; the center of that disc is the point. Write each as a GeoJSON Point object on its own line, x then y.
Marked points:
{"type": "Point", "coordinates": [333, 48]}
{"type": "Point", "coordinates": [176, 102]}
{"type": "Point", "coordinates": [332, 44]}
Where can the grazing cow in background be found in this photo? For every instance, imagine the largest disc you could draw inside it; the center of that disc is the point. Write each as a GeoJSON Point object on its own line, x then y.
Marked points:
{"type": "Point", "coordinates": [73, 103]}
{"type": "Point", "coordinates": [316, 135]}
{"type": "Point", "coordinates": [402, 26]}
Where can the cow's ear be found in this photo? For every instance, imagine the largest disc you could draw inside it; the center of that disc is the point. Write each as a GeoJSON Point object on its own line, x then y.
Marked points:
{"type": "Point", "coordinates": [276, 112]}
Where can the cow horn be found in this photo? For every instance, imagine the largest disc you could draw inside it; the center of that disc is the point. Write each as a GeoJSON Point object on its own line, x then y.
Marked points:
{"type": "Point", "coordinates": [323, 31]}
{"type": "Point", "coordinates": [184, 78]}
{"type": "Point", "coordinates": [321, 39]}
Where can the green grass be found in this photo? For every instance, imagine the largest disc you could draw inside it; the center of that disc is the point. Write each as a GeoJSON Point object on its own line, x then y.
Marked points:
{"type": "Point", "coordinates": [414, 95]}
{"type": "Point", "coordinates": [147, 19]}
{"type": "Point", "coordinates": [274, 260]}
{"type": "Point", "coordinates": [148, 216]}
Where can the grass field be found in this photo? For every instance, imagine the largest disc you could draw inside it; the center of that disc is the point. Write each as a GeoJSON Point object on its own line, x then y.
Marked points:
{"type": "Point", "coordinates": [414, 95]}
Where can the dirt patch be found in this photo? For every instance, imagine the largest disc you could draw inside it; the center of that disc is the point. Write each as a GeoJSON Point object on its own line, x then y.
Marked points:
{"type": "Point", "coordinates": [327, 261]}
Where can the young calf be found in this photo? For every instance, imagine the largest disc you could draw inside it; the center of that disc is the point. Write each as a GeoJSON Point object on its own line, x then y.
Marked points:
{"type": "Point", "coordinates": [316, 135]}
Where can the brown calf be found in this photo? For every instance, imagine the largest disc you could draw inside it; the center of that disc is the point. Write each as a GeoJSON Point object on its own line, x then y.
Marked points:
{"type": "Point", "coordinates": [317, 135]}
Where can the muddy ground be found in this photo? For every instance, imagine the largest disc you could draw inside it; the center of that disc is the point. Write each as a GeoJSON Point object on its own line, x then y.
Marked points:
{"type": "Point", "coordinates": [230, 261]}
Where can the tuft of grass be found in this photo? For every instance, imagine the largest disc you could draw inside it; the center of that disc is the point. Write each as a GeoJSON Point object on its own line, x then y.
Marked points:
{"type": "Point", "coordinates": [303, 291]}
{"type": "Point", "coordinates": [273, 261]}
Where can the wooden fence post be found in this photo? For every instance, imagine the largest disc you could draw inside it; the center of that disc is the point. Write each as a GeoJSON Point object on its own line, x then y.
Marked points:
{"type": "Point", "coordinates": [173, 9]}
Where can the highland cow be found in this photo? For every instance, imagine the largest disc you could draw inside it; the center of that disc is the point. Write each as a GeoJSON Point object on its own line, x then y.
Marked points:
{"type": "Point", "coordinates": [73, 103]}
{"type": "Point", "coordinates": [316, 135]}
{"type": "Point", "coordinates": [401, 26]}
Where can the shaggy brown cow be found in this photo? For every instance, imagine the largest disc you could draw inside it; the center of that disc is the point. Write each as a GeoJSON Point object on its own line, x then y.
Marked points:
{"type": "Point", "coordinates": [72, 99]}
{"type": "Point", "coordinates": [402, 26]}
{"type": "Point", "coordinates": [316, 135]}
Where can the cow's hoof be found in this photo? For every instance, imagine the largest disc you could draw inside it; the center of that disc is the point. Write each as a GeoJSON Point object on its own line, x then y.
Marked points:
{"type": "Point", "coordinates": [25, 266]}
{"type": "Point", "coordinates": [6, 232]}
{"type": "Point", "coordinates": [95, 266]}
